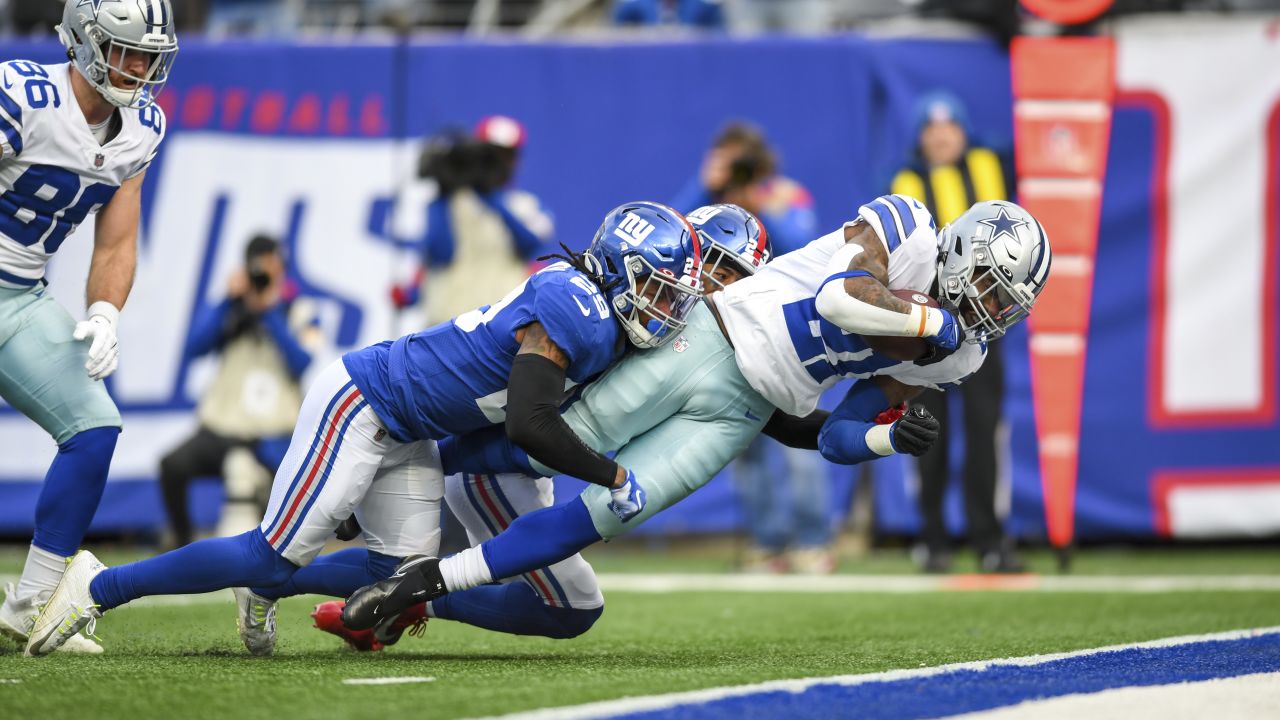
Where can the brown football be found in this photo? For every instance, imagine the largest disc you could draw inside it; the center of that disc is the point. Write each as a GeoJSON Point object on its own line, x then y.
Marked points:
{"type": "Point", "coordinates": [903, 348]}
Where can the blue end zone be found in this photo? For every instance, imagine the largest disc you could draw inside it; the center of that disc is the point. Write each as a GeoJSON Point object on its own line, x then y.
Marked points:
{"type": "Point", "coordinates": [963, 691]}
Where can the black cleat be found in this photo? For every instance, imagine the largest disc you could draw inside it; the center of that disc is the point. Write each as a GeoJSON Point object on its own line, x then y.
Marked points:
{"type": "Point", "coordinates": [416, 580]}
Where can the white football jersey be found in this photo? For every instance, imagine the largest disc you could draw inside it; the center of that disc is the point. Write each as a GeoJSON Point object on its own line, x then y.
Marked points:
{"type": "Point", "coordinates": [790, 354]}
{"type": "Point", "coordinates": [53, 172]}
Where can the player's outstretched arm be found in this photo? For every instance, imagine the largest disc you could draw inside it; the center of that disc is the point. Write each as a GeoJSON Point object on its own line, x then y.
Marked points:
{"type": "Point", "coordinates": [860, 429]}
{"type": "Point", "coordinates": [855, 295]}
{"type": "Point", "coordinates": [534, 393]}
{"type": "Point", "coordinates": [115, 256]}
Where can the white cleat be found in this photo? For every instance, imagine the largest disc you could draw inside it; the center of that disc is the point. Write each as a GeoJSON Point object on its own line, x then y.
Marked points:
{"type": "Point", "coordinates": [18, 616]}
{"type": "Point", "coordinates": [70, 608]}
{"type": "Point", "coordinates": [256, 621]}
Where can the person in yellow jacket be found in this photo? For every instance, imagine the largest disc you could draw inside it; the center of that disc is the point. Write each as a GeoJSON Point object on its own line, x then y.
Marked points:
{"type": "Point", "coordinates": [949, 174]}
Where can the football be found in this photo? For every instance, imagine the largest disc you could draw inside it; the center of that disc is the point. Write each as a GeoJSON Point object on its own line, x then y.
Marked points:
{"type": "Point", "coordinates": [903, 348]}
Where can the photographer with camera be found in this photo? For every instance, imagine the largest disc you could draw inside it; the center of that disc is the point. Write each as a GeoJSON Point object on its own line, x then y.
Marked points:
{"type": "Point", "coordinates": [264, 337]}
{"type": "Point", "coordinates": [481, 234]}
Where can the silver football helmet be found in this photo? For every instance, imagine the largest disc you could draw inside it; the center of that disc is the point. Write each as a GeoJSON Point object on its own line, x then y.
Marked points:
{"type": "Point", "coordinates": [101, 36]}
{"type": "Point", "coordinates": [993, 261]}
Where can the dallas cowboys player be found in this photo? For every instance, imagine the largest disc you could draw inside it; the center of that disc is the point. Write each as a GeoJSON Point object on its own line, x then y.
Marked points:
{"type": "Point", "coordinates": [365, 440]}
{"type": "Point", "coordinates": [988, 267]}
{"type": "Point", "coordinates": [75, 139]}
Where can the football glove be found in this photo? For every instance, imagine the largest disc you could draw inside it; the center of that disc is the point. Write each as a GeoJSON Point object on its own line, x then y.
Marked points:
{"type": "Point", "coordinates": [628, 499]}
{"type": "Point", "coordinates": [949, 334]}
{"type": "Point", "coordinates": [915, 432]}
{"type": "Point", "coordinates": [100, 330]}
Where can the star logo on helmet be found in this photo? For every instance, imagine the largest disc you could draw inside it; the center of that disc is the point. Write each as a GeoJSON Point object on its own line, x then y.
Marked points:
{"type": "Point", "coordinates": [1004, 224]}
{"type": "Point", "coordinates": [97, 4]}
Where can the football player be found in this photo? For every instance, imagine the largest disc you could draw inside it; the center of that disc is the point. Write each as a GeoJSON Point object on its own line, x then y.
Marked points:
{"type": "Point", "coordinates": [988, 268]}
{"type": "Point", "coordinates": [365, 439]}
{"type": "Point", "coordinates": [76, 139]}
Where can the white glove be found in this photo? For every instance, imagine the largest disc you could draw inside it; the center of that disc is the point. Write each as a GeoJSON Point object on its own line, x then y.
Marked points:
{"type": "Point", "coordinates": [100, 330]}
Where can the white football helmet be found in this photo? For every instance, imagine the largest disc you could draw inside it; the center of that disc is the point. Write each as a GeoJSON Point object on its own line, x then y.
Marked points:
{"type": "Point", "coordinates": [994, 247]}
{"type": "Point", "coordinates": [98, 33]}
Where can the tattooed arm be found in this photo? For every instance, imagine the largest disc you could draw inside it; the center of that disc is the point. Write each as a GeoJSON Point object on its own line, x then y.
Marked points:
{"type": "Point", "coordinates": [855, 295]}
{"type": "Point", "coordinates": [535, 390]}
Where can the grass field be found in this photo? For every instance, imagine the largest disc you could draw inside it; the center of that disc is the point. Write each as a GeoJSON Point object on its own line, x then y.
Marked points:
{"type": "Point", "coordinates": [171, 660]}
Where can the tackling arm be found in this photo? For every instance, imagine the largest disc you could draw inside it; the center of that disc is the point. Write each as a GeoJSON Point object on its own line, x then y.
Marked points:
{"type": "Point", "coordinates": [534, 394]}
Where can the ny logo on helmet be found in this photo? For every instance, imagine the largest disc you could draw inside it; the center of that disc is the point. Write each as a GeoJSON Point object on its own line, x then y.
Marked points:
{"type": "Point", "coordinates": [633, 228]}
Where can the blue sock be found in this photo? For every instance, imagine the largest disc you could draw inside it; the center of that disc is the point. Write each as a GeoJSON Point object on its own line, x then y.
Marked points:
{"type": "Point", "coordinates": [245, 560]}
{"type": "Point", "coordinates": [72, 489]}
{"type": "Point", "coordinates": [540, 538]}
{"type": "Point", "coordinates": [514, 608]}
{"type": "Point", "coordinates": [337, 574]}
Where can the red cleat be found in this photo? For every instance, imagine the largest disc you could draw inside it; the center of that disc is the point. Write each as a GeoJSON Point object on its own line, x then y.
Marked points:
{"type": "Point", "coordinates": [328, 617]}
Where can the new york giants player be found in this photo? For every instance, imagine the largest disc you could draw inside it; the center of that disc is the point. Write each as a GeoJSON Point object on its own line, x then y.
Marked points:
{"type": "Point", "coordinates": [988, 267]}
{"type": "Point", "coordinates": [75, 139]}
{"type": "Point", "coordinates": [365, 440]}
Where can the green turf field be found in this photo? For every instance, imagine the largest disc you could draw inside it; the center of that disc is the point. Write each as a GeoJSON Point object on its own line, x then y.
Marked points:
{"type": "Point", "coordinates": [186, 660]}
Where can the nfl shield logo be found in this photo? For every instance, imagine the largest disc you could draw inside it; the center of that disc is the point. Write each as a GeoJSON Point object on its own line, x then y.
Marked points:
{"type": "Point", "coordinates": [680, 345]}
{"type": "Point", "coordinates": [98, 159]}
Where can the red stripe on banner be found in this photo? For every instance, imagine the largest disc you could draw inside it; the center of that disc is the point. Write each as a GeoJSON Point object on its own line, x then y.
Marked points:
{"type": "Point", "coordinates": [1264, 413]}
{"type": "Point", "coordinates": [315, 464]}
{"type": "Point", "coordinates": [1165, 482]}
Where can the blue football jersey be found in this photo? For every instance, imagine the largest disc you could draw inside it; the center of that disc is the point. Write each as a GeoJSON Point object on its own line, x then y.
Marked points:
{"type": "Point", "coordinates": [451, 379]}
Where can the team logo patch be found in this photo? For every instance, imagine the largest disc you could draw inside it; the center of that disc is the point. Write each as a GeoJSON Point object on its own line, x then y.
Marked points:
{"type": "Point", "coordinates": [919, 299]}
{"type": "Point", "coordinates": [680, 344]}
{"type": "Point", "coordinates": [377, 437]}
{"type": "Point", "coordinates": [98, 160]}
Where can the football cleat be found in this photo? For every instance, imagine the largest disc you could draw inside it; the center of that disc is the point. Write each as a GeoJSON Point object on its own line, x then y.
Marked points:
{"type": "Point", "coordinates": [70, 609]}
{"type": "Point", "coordinates": [328, 617]}
{"type": "Point", "coordinates": [256, 620]}
{"type": "Point", "coordinates": [415, 581]}
{"type": "Point", "coordinates": [18, 616]}
{"type": "Point", "coordinates": [389, 632]}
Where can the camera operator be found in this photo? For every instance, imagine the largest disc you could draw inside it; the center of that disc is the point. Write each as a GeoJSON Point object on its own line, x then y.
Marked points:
{"type": "Point", "coordinates": [741, 168]}
{"type": "Point", "coordinates": [262, 335]}
{"type": "Point", "coordinates": [481, 234]}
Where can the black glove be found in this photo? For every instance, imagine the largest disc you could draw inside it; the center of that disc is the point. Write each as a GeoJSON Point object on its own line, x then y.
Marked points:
{"type": "Point", "coordinates": [349, 529]}
{"type": "Point", "coordinates": [915, 432]}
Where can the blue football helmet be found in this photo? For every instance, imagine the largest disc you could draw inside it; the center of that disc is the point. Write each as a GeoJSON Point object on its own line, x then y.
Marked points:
{"type": "Point", "coordinates": [649, 261]}
{"type": "Point", "coordinates": [993, 262]}
{"type": "Point", "coordinates": [731, 237]}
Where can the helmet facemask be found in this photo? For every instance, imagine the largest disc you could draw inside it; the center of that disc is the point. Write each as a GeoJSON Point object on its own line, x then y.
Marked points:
{"type": "Point", "coordinates": [655, 306]}
{"type": "Point", "coordinates": [99, 43]}
{"type": "Point", "coordinates": [718, 256]}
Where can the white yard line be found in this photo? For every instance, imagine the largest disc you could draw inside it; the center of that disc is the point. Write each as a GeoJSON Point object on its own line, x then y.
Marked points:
{"type": "Point", "coordinates": [609, 708]}
{"type": "Point", "coordinates": [387, 680]}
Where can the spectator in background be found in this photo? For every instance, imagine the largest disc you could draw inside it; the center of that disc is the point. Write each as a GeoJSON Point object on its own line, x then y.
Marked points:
{"type": "Point", "coordinates": [263, 335]}
{"type": "Point", "coordinates": [705, 14]}
{"type": "Point", "coordinates": [481, 234]}
{"type": "Point", "coordinates": [785, 491]}
{"type": "Point", "coordinates": [948, 174]}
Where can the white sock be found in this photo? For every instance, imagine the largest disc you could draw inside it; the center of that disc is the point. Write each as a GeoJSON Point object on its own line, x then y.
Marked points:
{"type": "Point", "coordinates": [465, 570]}
{"type": "Point", "coordinates": [40, 575]}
